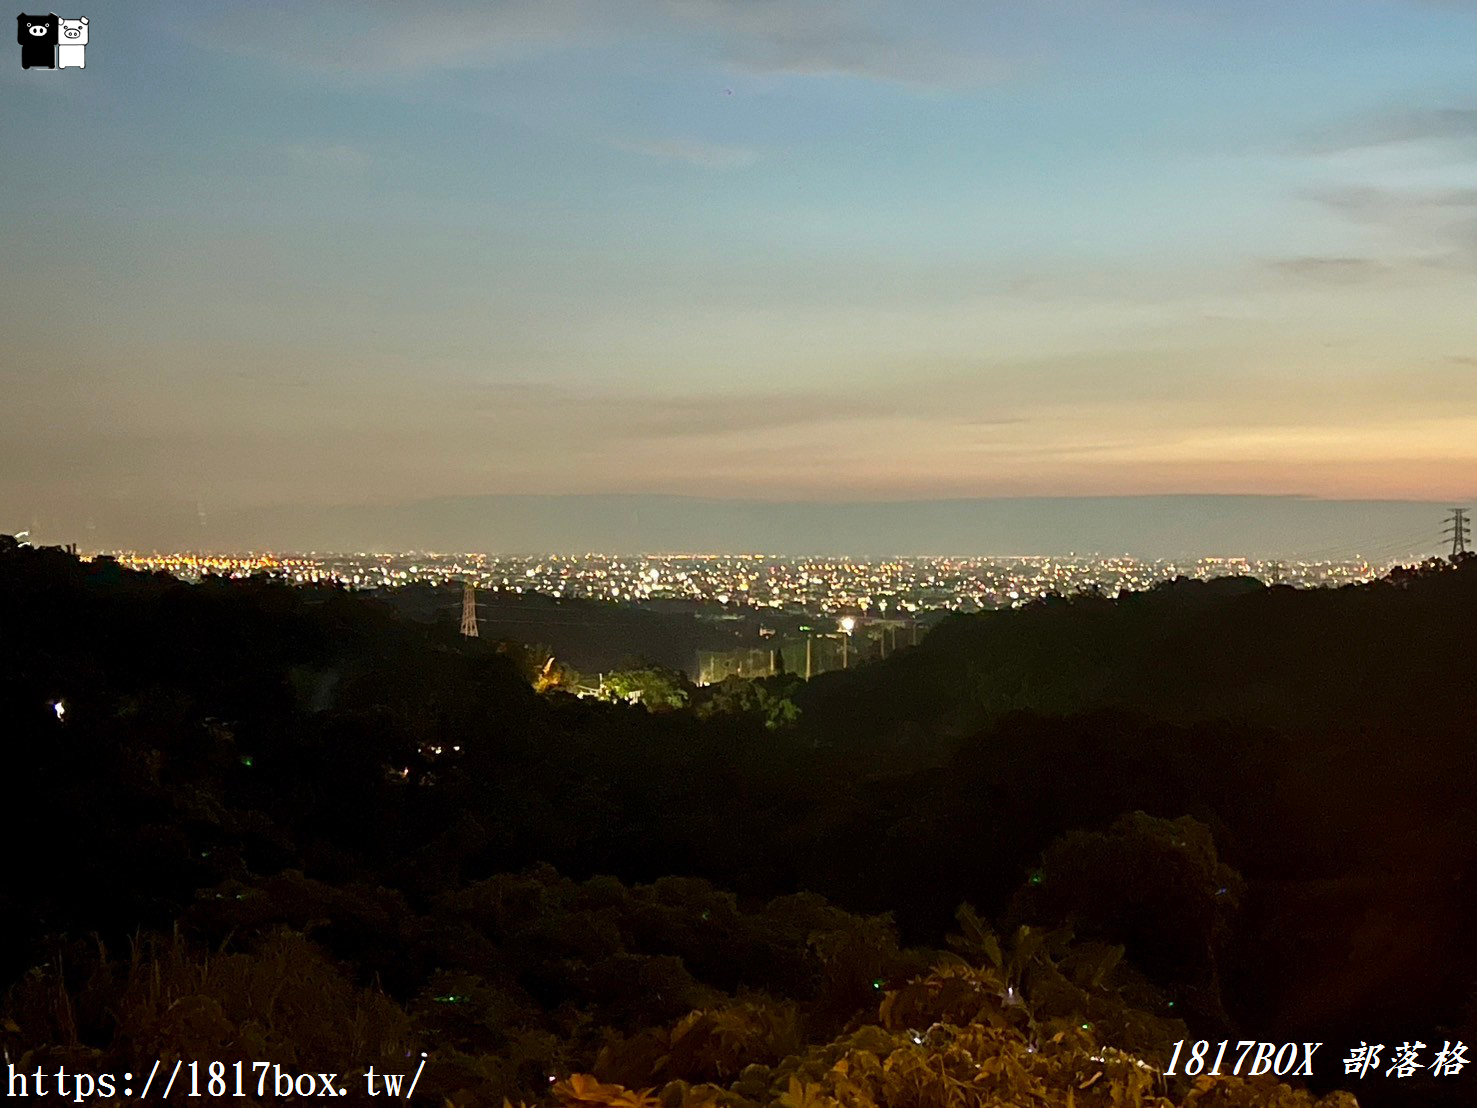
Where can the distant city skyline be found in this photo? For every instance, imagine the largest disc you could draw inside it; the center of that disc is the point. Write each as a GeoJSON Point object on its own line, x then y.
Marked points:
{"type": "Point", "coordinates": [282, 258]}
{"type": "Point", "coordinates": [834, 587]}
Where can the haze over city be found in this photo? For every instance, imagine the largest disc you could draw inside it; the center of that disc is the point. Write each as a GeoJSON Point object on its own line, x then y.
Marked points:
{"type": "Point", "coordinates": [822, 254]}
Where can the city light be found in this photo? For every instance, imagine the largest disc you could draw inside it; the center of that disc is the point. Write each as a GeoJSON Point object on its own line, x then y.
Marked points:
{"type": "Point", "coordinates": [835, 587]}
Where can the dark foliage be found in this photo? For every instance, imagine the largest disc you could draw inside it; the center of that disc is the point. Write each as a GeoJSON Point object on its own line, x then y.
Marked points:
{"type": "Point", "coordinates": [1261, 795]}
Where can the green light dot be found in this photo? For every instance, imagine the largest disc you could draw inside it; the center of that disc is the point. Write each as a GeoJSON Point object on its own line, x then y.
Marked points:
{"type": "Point", "coordinates": [877, 983]}
{"type": "Point", "coordinates": [247, 760]}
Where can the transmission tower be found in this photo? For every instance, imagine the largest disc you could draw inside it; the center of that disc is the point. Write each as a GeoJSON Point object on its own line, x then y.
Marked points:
{"type": "Point", "coordinates": [469, 610]}
{"type": "Point", "coordinates": [1457, 526]}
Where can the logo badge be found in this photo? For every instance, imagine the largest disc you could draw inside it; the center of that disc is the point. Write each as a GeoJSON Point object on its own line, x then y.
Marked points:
{"type": "Point", "coordinates": [51, 42]}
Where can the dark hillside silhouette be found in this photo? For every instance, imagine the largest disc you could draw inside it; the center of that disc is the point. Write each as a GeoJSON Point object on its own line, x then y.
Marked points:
{"type": "Point", "coordinates": [1261, 796]}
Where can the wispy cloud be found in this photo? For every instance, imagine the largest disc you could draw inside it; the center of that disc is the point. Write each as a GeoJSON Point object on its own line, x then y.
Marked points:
{"type": "Point", "coordinates": [630, 415]}
{"type": "Point", "coordinates": [814, 38]}
{"type": "Point", "coordinates": [1418, 125]}
{"type": "Point", "coordinates": [1331, 270]}
{"type": "Point", "coordinates": [1440, 225]}
{"type": "Point", "coordinates": [1386, 153]}
{"type": "Point", "coordinates": [1384, 204]}
{"type": "Point", "coordinates": [370, 37]}
{"type": "Point", "coordinates": [835, 38]}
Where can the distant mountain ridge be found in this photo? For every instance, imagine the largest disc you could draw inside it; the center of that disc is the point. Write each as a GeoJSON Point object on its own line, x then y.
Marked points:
{"type": "Point", "coordinates": [1145, 526]}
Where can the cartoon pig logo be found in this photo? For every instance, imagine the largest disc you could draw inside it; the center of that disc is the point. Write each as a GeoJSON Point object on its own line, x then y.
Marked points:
{"type": "Point", "coordinates": [71, 48]}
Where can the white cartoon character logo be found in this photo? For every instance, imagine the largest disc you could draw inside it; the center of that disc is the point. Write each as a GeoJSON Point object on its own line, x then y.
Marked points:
{"type": "Point", "coordinates": [71, 49]}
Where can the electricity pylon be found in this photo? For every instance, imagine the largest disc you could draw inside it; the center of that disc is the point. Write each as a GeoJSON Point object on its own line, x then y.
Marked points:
{"type": "Point", "coordinates": [1457, 527]}
{"type": "Point", "coordinates": [469, 611]}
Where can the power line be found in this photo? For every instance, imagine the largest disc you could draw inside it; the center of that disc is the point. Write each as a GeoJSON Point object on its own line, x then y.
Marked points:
{"type": "Point", "coordinates": [1414, 546]}
{"type": "Point", "coordinates": [1352, 546]}
{"type": "Point", "coordinates": [1390, 542]}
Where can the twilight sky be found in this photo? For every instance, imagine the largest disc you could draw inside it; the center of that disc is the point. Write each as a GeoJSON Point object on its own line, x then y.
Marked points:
{"type": "Point", "coordinates": [307, 255]}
